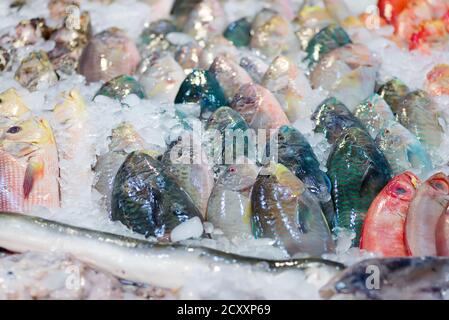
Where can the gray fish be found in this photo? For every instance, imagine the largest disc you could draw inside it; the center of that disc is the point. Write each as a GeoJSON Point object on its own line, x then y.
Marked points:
{"type": "Point", "coordinates": [392, 278]}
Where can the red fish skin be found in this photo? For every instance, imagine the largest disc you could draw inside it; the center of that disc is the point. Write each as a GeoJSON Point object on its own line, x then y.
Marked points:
{"type": "Point", "coordinates": [442, 235]}
{"type": "Point", "coordinates": [428, 205]}
{"type": "Point", "coordinates": [383, 229]}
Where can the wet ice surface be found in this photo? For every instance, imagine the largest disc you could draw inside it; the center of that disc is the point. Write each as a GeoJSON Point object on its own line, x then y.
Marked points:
{"type": "Point", "coordinates": [157, 124]}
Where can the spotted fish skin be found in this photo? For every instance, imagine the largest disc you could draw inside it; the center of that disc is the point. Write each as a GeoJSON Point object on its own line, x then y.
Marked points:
{"type": "Point", "coordinates": [358, 172]}
{"type": "Point", "coordinates": [284, 210]}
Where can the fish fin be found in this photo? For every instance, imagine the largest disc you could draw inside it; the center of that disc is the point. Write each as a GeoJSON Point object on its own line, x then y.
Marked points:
{"type": "Point", "coordinates": [371, 174]}
{"type": "Point", "coordinates": [34, 171]}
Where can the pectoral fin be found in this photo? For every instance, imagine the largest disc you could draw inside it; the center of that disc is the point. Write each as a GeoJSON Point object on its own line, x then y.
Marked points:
{"type": "Point", "coordinates": [34, 171]}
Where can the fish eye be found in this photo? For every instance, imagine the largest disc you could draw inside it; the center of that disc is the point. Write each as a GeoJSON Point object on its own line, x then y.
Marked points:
{"type": "Point", "coordinates": [401, 191]}
{"type": "Point", "coordinates": [232, 169]}
{"type": "Point", "coordinates": [14, 130]}
{"type": "Point", "coordinates": [440, 185]}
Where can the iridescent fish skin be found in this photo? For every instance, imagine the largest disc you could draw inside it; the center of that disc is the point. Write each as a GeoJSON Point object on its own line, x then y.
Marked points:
{"type": "Point", "coordinates": [259, 107]}
{"type": "Point", "coordinates": [229, 206]}
{"type": "Point", "coordinates": [202, 87]}
{"type": "Point", "coordinates": [400, 278]}
{"type": "Point", "coordinates": [310, 20]}
{"type": "Point", "coordinates": [239, 32]}
{"type": "Point", "coordinates": [205, 20]}
{"type": "Point", "coordinates": [274, 36]}
{"type": "Point", "coordinates": [418, 113]}
{"type": "Point", "coordinates": [153, 38]}
{"type": "Point", "coordinates": [227, 124]}
{"type": "Point", "coordinates": [358, 172]}
{"type": "Point", "coordinates": [332, 118]}
{"type": "Point", "coordinates": [328, 39]}
{"type": "Point", "coordinates": [120, 87]}
{"type": "Point", "coordinates": [147, 199]}
{"type": "Point", "coordinates": [189, 165]}
{"type": "Point", "coordinates": [283, 209]}
{"type": "Point", "coordinates": [108, 54]}
{"type": "Point", "coordinates": [36, 71]}
{"type": "Point", "coordinates": [161, 78]}
{"type": "Point", "coordinates": [393, 92]}
{"type": "Point", "coordinates": [254, 66]}
{"type": "Point", "coordinates": [288, 83]}
{"type": "Point", "coordinates": [374, 113]}
{"type": "Point", "coordinates": [349, 73]}
{"type": "Point", "coordinates": [230, 75]}
{"type": "Point", "coordinates": [295, 153]}
{"type": "Point", "coordinates": [403, 150]}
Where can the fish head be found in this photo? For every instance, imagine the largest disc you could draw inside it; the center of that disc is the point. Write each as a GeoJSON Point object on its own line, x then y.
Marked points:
{"type": "Point", "coordinates": [437, 186]}
{"type": "Point", "coordinates": [240, 176]}
{"type": "Point", "coordinates": [26, 137]}
{"type": "Point", "coordinates": [392, 135]}
{"type": "Point", "coordinates": [403, 186]}
{"type": "Point", "coordinates": [287, 182]}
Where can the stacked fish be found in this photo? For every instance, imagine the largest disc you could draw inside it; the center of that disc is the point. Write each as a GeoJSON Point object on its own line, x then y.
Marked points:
{"type": "Point", "coordinates": [244, 75]}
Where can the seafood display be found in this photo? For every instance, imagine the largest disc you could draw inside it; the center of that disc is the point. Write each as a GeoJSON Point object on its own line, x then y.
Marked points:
{"type": "Point", "coordinates": [199, 149]}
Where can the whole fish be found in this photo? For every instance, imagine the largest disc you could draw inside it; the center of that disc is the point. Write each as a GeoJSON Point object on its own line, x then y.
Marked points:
{"type": "Point", "coordinates": [393, 91]}
{"type": "Point", "coordinates": [124, 140]}
{"type": "Point", "coordinates": [403, 150]}
{"type": "Point", "coordinates": [108, 54]}
{"type": "Point", "coordinates": [229, 206]}
{"type": "Point", "coordinates": [332, 118]}
{"type": "Point", "coordinates": [147, 199]}
{"type": "Point", "coordinates": [418, 113]}
{"type": "Point", "coordinates": [384, 227]}
{"type": "Point", "coordinates": [36, 71]}
{"type": "Point", "coordinates": [289, 85]}
{"type": "Point", "coordinates": [162, 78]}
{"type": "Point", "coordinates": [29, 169]}
{"type": "Point", "coordinates": [310, 20]}
{"type": "Point", "coordinates": [295, 152]}
{"type": "Point", "coordinates": [137, 260]}
{"type": "Point", "coordinates": [374, 113]}
{"type": "Point", "coordinates": [348, 73]}
{"type": "Point", "coordinates": [392, 278]}
{"type": "Point", "coordinates": [189, 165]}
{"type": "Point", "coordinates": [327, 39]}
{"type": "Point", "coordinates": [284, 210]}
{"type": "Point", "coordinates": [259, 107]}
{"type": "Point", "coordinates": [442, 235]}
{"type": "Point", "coordinates": [358, 172]}
{"type": "Point", "coordinates": [202, 87]}
{"type": "Point", "coordinates": [230, 75]}
{"type": "Point", "coordinates": [429, 204]}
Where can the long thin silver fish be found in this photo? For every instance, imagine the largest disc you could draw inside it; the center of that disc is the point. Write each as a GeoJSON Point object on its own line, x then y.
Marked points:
{"type": "Point", "coordinates": [162, 265]}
